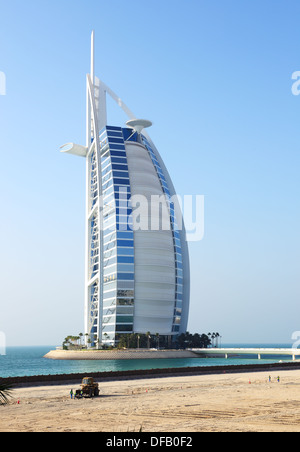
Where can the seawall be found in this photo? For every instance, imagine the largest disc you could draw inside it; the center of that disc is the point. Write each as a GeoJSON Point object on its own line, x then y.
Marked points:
{"type": "Point", "coordinates": [119, 354]}
{"type": "Point", "coordinates": [49, 380]}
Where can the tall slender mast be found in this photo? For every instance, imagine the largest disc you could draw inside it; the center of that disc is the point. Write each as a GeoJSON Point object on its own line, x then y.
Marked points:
{"type": "Point", "coordinates": [93, 215]}
{"type": "Point", "coordinates": [93, 57]}
{"type": "Point", "coordinates": [88, 99]}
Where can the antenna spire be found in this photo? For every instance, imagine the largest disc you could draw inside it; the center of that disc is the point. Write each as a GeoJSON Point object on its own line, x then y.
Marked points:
{"type": "Point", "coordinates": [93, 57]}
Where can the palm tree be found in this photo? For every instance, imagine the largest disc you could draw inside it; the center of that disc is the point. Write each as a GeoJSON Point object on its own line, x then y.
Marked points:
{"type": "Point", "coordinates": [66, 342]}
{"type": "Point", "coordinates": [5, 393]}
{"type": "Point", "coordinates": [220, 341]}
{"type": "Point", "coordinates": [209, 336]}
{"type": "Point", "coordinates": [213, 338]}
{"type": "Point", "coordinates": [157, 340]}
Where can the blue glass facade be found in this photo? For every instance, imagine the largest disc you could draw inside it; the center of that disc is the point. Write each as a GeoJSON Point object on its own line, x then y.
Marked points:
{"type": "Point", "coordinates": [118, 240]}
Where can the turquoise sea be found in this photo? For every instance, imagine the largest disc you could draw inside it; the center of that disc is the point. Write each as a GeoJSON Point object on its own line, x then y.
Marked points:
{"type": "Point", "coordinates": [28, 361]}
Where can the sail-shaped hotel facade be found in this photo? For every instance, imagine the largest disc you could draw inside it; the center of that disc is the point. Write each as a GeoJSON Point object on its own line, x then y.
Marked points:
{"type": "Point", "coordinates": [137, 277]}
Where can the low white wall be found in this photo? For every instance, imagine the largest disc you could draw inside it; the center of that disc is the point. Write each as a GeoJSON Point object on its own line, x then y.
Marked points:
{"type": "Point", "coordinates": [118, 354]}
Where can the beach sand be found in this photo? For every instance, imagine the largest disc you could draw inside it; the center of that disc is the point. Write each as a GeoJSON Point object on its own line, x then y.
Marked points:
{"type": "Point", "coordinates": [205, 403]}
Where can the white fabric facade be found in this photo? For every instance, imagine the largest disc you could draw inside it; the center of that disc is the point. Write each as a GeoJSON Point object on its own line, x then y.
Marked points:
{"type": "Point", "coordinates": [153, 252]}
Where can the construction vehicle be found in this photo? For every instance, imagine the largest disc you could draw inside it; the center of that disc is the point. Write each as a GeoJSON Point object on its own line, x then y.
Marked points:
{"type": "Point", "coordinates": [88, 388]}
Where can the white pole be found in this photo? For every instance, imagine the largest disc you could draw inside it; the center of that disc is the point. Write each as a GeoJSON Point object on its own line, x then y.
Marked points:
{"type": "Point", "coordinates": [93, 57]}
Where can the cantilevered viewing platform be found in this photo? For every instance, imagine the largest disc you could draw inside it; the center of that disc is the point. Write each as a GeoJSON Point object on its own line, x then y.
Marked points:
{"type": "Point", "coordinates": [259, 352]}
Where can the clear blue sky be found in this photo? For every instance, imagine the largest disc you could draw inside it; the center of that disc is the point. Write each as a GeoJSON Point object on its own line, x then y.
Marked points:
{"type": "Point", "coordinates": [215, 79]}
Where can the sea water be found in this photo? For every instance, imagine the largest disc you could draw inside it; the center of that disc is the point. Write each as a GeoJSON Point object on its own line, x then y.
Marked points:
{"type": "Point", "coordinates": [28, 361]}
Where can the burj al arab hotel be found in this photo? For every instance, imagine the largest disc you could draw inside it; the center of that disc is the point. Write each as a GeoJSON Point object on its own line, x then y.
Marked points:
{"type": "Point", "coordinates": [137, 279]}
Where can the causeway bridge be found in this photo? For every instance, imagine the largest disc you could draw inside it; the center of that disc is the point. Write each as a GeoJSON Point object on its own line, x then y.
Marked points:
{"type": "Point", "coordinates": [259, 352]}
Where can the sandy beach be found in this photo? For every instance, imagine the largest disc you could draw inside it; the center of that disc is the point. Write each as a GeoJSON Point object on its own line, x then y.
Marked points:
{"type": "Point", "coordinates": [204, 403]}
